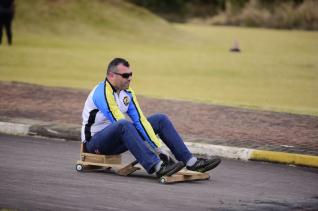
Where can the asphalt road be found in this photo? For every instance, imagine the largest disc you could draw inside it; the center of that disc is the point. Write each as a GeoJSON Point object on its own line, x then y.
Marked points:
{"type": "Point", "coordinates": [39, 174]}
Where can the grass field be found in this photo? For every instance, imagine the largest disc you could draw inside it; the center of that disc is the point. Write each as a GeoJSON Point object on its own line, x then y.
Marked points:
{"type": "Point", "coordinates": [71, 44]}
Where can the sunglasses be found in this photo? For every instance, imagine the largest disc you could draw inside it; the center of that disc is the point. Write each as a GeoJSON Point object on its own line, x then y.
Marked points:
{"type": "Point", "coordinates": [124, 75]}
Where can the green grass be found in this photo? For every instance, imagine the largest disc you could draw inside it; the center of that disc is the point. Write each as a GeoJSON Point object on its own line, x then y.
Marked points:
{"type": "Point", "coordinates": [277, 69]}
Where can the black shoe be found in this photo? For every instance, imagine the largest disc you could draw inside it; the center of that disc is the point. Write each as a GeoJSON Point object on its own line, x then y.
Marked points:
{"type": "Point", "coordinates": [168, 169]}
{"type": "Point", "coordinates": [203, 165]}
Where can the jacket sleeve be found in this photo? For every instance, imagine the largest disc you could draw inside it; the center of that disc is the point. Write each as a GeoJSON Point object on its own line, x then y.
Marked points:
{"type": "Point", "coordinates": [105, 102]}
{"type": "Point", "coordinates": [141, 122]}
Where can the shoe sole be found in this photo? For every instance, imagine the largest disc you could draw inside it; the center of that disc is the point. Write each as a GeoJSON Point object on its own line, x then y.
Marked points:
{"type": "Point", "coordinates": [210, 166]}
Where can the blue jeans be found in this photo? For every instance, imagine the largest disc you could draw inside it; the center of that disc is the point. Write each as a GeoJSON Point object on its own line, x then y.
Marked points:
{"type": "Point", "coordinates": [122, 136]}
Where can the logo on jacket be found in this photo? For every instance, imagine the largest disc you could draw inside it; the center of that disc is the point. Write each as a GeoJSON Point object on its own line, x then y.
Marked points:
{"type": "Point", "coordinates": [126, 100]}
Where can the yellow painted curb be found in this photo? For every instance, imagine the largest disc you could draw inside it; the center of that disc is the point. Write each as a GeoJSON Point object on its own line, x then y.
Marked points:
{"type": "Point", "coordinates": [283, 157]}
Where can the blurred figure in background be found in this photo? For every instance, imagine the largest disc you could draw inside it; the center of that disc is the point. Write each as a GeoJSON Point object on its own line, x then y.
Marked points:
{"type": "Point", "coordinates": [6, 17]}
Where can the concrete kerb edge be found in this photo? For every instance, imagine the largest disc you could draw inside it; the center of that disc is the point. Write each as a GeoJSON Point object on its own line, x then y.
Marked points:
{"type": "Point", "coordinates": [14, 128]}
{"type": "Point", "coordinates": [246, 154]}
{"type": "Point", "coordinates": [253, 154]}
{"type": "Point", "coordinates": [218, 150]}
{"type": "Point", "coordinates": [286, 158]}
{"type": "Point", "coordinates": [37, 128]}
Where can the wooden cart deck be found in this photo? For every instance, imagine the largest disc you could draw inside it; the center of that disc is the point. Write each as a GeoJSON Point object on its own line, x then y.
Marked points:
{"type": "Point", "coordinates": [114, 162]}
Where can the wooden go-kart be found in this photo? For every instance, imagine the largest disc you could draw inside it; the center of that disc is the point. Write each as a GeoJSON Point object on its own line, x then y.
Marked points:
{"type": "Point", "coordinates": [91, 161]}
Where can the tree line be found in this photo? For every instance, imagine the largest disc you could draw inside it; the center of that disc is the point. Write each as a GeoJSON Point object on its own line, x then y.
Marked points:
{"type": "Point", "coordinates": [290, 14]}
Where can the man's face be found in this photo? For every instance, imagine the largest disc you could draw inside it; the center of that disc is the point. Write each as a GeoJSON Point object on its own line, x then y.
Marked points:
{"type": "Point", "coordinates": [121, 81]}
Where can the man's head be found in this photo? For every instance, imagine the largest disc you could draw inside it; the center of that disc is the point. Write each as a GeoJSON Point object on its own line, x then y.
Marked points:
{"type": "Point", "coordinates": [119, 74]}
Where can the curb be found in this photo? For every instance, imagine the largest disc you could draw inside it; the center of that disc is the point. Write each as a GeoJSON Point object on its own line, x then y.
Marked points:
{"type": "Point", "coordinates": [14, 128]}
{"type": "Point", "coordinates": [286, 158]}
{"type": "Point", "coordinates": [247, 154]}
{"type": "Point", "coordinates": [72, 132]}
{"type": "Point", "coordinates": [29, 127]}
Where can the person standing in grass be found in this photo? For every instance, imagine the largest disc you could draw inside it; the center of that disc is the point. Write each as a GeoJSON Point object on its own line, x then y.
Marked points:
{"type": "Point", "coordinates": [6, 17]}
{"type": "Point", "coordinates": [105, 129]}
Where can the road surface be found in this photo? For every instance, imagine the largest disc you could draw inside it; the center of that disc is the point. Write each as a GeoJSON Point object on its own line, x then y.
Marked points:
{"type": "Point", "coordinates": [39, 174]}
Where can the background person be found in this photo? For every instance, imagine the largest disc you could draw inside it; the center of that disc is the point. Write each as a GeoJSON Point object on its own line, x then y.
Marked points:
{"type": "Point", "coordinates": [6, 17]}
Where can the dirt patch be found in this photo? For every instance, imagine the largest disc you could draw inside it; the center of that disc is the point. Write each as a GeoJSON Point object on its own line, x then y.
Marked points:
{"type": "Point", "coordinates": [198, 122]}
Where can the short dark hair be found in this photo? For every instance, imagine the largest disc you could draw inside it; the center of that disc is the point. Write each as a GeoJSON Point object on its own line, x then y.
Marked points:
{"type": "Point", "coordinates": [112, 67]}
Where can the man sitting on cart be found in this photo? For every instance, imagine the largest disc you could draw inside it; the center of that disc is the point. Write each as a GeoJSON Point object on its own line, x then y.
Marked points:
{"type": "Point", "coordinates": [106, 131]}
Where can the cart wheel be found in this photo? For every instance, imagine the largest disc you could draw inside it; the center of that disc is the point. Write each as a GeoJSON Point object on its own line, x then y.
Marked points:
{"type": "Point", "coordinates": [79, 167]}
{"type": "Point", "coordinates": [162, 180]}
